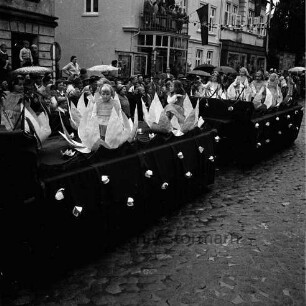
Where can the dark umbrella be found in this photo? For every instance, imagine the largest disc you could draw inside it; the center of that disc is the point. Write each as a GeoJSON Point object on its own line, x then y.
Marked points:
{"type": "Point", "coordinates": [205, 67]}
{"type": "Point", "coordinates": [226, 69]}
{"type": "Point", "coordinates": [198, 72]}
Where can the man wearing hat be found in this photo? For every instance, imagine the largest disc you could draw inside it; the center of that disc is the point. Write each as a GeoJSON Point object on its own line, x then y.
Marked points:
{"type": "Point", "coordinates": [91, 86]}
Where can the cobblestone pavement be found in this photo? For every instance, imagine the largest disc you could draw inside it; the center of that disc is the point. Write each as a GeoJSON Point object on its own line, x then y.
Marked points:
{"type": "Point", "coordinates": [242, 243]}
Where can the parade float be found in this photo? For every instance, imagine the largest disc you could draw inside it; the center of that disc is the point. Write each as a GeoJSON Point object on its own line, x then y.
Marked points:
{"type": "Point", "coordinates": [246, 134]}
{"type": "Point", "coordinates": [68, 190]}
{"type": "Point", "coordinates": [63, 191]}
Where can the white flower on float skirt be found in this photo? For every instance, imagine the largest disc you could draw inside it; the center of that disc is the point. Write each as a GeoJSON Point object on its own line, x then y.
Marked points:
{"type": "Point", "coordinates": [180, 155]}
{"type": "Point", "coordinates": [60, 194]}
{"type": "Point", "coordinates": [105, 179]}
{"type": "Point", "coordinates": [77, 210]}
{"type": "Point", "coordinates": [148, 173]}
{"type": "Point", "coordinates": [130, 202]}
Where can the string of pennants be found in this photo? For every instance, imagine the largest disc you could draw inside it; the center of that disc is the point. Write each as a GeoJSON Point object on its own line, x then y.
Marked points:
{"type": "Point", "coordinates": [228, 26]}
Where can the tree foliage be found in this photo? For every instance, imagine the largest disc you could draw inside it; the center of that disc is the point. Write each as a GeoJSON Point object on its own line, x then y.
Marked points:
{"type": "Point", "coordinates": [287, 28]}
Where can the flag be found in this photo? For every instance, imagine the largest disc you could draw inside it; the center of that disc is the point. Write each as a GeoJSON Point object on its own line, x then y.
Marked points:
{"type": "Point", "coordinates": [203, 17]}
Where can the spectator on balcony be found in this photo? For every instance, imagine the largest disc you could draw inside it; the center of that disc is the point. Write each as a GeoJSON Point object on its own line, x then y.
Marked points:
{"type": "Point", "coordinates": [181, 19]}
{"type": "Point", "coordinates": [4, 63]}
{"type": "Point", "coordinates": [170, 3]}
{"type": "Point", "coordinates": [35, 55]}
{"type": "Point", "coordinates": [148, 7]}
{"type": "Point", "coordinates": [162, 9]}
{"type": "Point", "coordinates": [156, 7]}
{"type": "Point", "coordinates": [25, 55]}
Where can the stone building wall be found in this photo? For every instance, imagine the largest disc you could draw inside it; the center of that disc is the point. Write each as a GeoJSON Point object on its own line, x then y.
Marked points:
{"type": "Point", "coordinates": [31, 20]}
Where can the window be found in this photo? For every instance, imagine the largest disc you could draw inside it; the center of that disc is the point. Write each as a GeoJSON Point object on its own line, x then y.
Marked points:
{"type": "Point", "coordinates": [209, 57]}
{"type": "Point", "coordinates": [233, 60]}
{"type": "Point", "coordinates": [243, 60]}
{"type": "Point", "coordinates": [212, 19]}
{"type": "Point", "coordinates": [125, 62]}
{"type": "Point", "coordinates": [158, 40]}
{"type": "Point", "coordinates": [91, 6]}
{"type": "Point", "coordinates": [182, 4]}
{"type": "Point", "coordinates": [227, 14]}
{"type": "Point", "coordinates": [199, 57]}
{"type": "Point", "coordinates": [234, 15]}
{"type": "Point", "coordinates": [251, 13]}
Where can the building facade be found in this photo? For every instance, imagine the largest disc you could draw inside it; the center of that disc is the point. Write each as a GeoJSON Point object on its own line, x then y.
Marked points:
{"type": "Point", "coordinates": [243, 35]}
{"type": "Point", "coordinates": [197, 53]}
{"type": "Point", "coordinates": [98, 32]}
{"type": "Point", "coordinates": [236, 37]}
{"type": "Point", "coordinates": [31, 20]}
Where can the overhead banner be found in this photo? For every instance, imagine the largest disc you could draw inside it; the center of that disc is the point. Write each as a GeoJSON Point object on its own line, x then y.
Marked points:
{"type": "Point", "coordinates": [203, 17]}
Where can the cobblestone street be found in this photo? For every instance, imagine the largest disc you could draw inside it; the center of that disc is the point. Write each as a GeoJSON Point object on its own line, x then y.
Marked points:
{"type": "Point", "coordinates": [241, 243]}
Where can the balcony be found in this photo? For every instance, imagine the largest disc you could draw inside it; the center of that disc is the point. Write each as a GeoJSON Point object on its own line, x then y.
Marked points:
{"type": "Point", "coordinates": [163, 23]}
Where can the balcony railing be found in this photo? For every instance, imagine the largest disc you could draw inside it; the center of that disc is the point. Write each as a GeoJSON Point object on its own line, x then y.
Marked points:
{"type": "Point", "coordinates": [164, 23]}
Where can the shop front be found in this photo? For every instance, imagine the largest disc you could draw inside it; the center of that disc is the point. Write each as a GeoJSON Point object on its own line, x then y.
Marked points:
{"type": "Point", "coordinates": [164, 50]}
{"type": "Point", "coordinates": [238, 55]}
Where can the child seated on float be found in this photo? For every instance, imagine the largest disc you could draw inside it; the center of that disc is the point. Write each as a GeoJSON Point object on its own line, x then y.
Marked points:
{"type": "Point", "coordinates": [175, 102]}
{"type": "Point", "coordinates": [213, 87]}
{"type": "Point", "coordinates": [272, 85]}
{"type": "Point", "coordinates": [239, 89]}
{"type": "Point", "coordinates": [104, 104]}
{"type": "Point", "coordinates": [260, 94]}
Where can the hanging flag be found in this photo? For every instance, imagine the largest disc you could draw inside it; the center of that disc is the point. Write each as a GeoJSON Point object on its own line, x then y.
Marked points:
{"type": "Point", "coordinates": [203, 17]}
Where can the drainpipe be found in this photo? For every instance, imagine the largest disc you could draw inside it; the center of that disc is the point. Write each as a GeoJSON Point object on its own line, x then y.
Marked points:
{"type": "Point", "coordinates": [220, 22]}
{"type": "Point", "coordinates": [132, 37]}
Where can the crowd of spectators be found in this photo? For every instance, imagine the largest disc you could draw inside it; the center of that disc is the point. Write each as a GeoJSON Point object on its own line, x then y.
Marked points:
{"type": "Point", "coordinates": [43, 93]}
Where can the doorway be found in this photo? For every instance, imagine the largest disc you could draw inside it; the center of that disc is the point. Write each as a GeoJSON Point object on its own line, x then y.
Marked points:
{"type": "Point", "coordinates": [17, 45]}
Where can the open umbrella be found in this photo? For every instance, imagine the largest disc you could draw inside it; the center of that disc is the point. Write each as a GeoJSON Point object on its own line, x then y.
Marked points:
{"type": "Point", "coordinates": [198, 72]}
{"type": "Point", "coordinates": [226, 69]}
{"type": "Point", "coordinates": [102, 68]}
{"type": "Point", "coordinates": [205, 67]}
{"type": "Point", "coordinates": [35, 70]}
{"type": "Point", "coordinates": [297, 69]}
